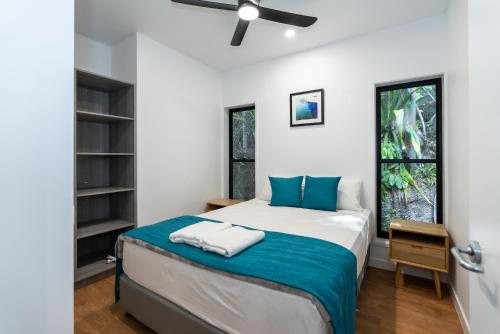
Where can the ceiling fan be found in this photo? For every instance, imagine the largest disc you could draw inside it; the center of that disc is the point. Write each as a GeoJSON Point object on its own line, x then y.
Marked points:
{"type": "Point", "coordinates": [249, 10]}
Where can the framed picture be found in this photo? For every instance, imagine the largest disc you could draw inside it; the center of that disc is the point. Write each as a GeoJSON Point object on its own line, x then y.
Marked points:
{"type": "Point", "coordinates": [307, 108]}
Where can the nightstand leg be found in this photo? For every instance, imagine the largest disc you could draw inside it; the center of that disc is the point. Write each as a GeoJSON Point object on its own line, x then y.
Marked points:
{"type": "Point", "coordinates": [400, 279]}
{"type": "Point", "coordinates": [437, 282]}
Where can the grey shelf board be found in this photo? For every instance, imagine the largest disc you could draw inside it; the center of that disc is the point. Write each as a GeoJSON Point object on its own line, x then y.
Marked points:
{"type": "Point", "coordinates": [101, 191]}
{"type": "Point", "coordinates": [97, 81]}
{"type": "Point", "coordinates": [98, 227]}
{"type": "Point", "coordinates": [103, 154]}
{"type": "Point", "coordinates": [93, 269]}
{"type": "Point", "coordinates": [87, 116]}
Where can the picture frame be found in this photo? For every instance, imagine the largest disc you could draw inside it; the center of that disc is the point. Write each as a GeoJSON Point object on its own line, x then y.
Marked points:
{"type": "Point", "coordinates": [307, 108]}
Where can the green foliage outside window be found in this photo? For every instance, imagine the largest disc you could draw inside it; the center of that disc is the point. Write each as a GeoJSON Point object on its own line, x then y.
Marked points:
{"type": "Point", "coordinates": [243, 150]}
{"type": "Point", "coordinates": [408, 123]}
{"type": "Point", "coordinates": [408, 132]}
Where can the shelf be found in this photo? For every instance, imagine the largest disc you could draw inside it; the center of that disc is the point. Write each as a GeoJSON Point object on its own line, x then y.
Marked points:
{"type": "Point", "coordinates": [99, 82]}
{"type": "Point", "coordinates": [421, 241]}
{"type": "Point", "coordinates": [100, 118]}
{"type": "Point", "coordinates": [93, 269]}
{"type": "Point", "coordinates": [105, 170]}
{"type": "Point", "coordinates": [101, 191]}
{"type": "Point", "coordinates": [101, 226]}
{"type": "Point", "coordinates": [103, 154]}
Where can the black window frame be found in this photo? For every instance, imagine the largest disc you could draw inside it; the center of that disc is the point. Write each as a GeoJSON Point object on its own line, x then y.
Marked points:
{"type": "Point", "coordinates": [438, 81]}
{"type": "Point", "coordinates": [231, 159]}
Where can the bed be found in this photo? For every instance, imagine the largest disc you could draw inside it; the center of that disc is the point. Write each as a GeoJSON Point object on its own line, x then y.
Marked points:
{"type": "Point", "coordinates": [173, 296]}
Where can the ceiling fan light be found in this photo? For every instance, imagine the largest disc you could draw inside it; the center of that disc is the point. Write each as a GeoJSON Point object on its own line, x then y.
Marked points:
{"type": "Point", "coordinates": [248, 12]}
{"type": "Point", "coordinates": [290, 33]}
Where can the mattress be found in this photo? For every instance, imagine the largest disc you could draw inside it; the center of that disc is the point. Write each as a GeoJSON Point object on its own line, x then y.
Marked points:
{"type": "Point", "coordinates": [235, 306]}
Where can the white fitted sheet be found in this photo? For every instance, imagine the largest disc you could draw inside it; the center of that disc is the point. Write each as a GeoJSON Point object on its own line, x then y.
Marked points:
{"type": "Point", "coordinates": [241, 307]}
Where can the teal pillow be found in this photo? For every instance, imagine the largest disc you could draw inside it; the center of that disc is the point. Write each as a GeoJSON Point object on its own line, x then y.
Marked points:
{"type": "Point", "coordinates": [320, 193]}
{"type": "Point", "coordinates": [286, 191]}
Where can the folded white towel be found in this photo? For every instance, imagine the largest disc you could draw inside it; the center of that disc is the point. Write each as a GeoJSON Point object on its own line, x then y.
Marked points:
{"type": "Point", "coordinates": [193, 234]}
{"type": "Point", "coordinates": [231, 241]}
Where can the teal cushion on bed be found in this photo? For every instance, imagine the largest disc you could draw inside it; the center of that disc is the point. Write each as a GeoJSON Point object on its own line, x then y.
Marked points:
{"type": "Point", "coordinates": [287, 191]}
{"type": "Point", "coordinates": [320, 193]}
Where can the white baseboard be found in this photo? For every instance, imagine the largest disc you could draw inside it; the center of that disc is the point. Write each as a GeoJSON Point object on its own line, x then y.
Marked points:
{"type": "Point", "coordinates": [381, 264]}
{"type": "Point", "coordinates": [460, 310]}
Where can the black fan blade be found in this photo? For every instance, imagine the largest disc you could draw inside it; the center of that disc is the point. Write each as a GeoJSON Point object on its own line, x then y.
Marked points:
{"type": "Point", "coordinates": [286, 18]}
{"type": "Point", "coordinates": [239, 33]}
{"type": "Point", "coordinates": [208, 4]}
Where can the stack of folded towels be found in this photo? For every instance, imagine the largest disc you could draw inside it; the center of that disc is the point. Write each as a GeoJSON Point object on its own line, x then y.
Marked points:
{"type": "Point", "coordinates": [221, 238]}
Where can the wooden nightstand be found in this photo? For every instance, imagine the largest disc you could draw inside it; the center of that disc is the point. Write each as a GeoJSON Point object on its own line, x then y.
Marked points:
{"type": "Point", "coordinates": [221, 203]}
{"type": "Point", "coordinates": [420, 245]}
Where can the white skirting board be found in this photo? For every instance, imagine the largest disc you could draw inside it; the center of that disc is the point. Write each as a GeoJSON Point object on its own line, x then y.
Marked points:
{"type": "Point", "coordinates": [460, 310]}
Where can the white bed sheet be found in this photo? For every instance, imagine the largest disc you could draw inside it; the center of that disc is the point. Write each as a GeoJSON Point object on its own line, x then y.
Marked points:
{"type": "Point", "coordinates": [236, 306]}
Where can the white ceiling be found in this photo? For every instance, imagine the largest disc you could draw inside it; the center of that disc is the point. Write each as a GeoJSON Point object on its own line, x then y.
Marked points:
{"type": "Point", "coordinates": [205, 34]}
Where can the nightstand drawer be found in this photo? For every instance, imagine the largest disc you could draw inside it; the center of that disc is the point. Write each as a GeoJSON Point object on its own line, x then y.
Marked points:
{"type": "Point", "coordinates": [422, 255]}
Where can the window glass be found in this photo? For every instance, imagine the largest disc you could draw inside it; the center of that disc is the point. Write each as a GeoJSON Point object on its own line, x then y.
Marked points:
{"type": "Point", "coordinates": [409, 153]}
{"type": "Point", "coordinates": [408, 123]}
{"type": "Point", "coordinates": [242, 153]}
{"type": "Point", "coordinates": [409, 191]}
{"type": "Point", "coordinates": [243, 180]}
{"type": "Point", "coordinates": [244, 134]}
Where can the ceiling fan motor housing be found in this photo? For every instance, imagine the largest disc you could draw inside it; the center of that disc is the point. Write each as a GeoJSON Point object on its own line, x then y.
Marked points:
{"type": "Point", "coordinates": [249, 10]}
{"type": "Point", "coordinates": [248, 2]}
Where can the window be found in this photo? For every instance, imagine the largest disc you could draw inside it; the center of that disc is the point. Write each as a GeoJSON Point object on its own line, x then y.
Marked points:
{"type": "Point", "coordinates": [242, 153]}
{"type": "Point", "coordinates": [409, 154]}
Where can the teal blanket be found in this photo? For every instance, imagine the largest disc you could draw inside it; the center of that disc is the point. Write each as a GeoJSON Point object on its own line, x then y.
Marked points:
{"type": "Point", "coordinates": [323, 269]}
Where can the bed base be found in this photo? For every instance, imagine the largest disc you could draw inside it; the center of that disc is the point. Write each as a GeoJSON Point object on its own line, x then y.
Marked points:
{"type": "Point", "coordinates": [361, 276]}
{"type": "Point", "coordinates": [165, 317]}
{"type": "Point", "coordinates": [159, 314]}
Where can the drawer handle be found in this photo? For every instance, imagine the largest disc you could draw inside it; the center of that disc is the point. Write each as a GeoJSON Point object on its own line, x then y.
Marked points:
{"type": "Point", "coordinates": [417, 247]}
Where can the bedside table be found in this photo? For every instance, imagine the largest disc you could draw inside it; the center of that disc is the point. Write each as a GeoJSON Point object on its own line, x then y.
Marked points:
{"type": "Point", "coordinates": [221, 203]}
{"type": "Point", "coordinates": [421, 245]}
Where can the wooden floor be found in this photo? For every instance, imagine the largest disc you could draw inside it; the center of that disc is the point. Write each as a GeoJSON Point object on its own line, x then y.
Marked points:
{"type": "Point", "coordinates": [381, 308]}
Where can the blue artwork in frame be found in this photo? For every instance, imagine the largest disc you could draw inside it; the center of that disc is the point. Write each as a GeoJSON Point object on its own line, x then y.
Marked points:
{"type": "Point", "coordinates": [307, 108]}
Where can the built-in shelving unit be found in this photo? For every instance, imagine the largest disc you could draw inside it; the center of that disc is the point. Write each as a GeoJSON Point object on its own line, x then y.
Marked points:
{"type": "Point", "coordinates": [105, 176]}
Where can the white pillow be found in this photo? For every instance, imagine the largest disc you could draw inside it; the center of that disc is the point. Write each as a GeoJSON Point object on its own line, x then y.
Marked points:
{"type": "Point", "coordinates": [348, 197]}
{"type": "Point", "coordinates": [349, 194]}
{"type": "Point", "coordinates": [266, 192]}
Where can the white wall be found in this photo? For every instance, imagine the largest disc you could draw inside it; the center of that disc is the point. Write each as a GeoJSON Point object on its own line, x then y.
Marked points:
{"type": "Point", "coordinates": [348, 71]}
{"type": "Point", "coordinates": [118, 61]}
{"type": "Point", "coordinates": [457, 162]}
{"type": "Point", "coordinates": [92, 56]}
{"type": "Point", "coordinates": [36, 169]}
{"type": "Point", "coordinates": [179, 103]}
{"type": "Point", "coordinates": [124, 60]}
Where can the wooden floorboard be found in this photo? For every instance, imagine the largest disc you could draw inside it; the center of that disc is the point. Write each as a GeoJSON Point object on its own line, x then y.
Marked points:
{"type": "Point", "coordinates": [382, 308]}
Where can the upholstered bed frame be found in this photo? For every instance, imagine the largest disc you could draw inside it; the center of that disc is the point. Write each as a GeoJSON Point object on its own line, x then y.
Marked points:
{"type": "Point", "coordinates": [159, 314]}
{"type": "Point", "coordinates": [165, 317]}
